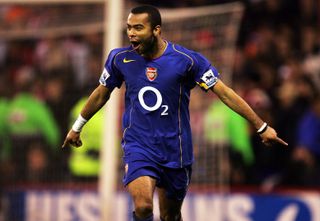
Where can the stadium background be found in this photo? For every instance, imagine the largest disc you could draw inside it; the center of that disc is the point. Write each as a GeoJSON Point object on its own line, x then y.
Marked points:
{"type": "Point", "coordinates": [50, 58]}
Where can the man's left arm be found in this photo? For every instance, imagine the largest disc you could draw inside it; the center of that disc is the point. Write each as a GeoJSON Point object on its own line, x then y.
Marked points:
{"type": "Point", "coordinates": [237, 104]}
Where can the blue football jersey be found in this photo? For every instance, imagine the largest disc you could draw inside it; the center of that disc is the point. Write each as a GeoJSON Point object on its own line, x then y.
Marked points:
{"type": "Point", "coordinates": [156, 121]}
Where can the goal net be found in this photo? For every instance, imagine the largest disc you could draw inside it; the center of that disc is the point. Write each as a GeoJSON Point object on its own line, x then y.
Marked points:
{"type": "Point", "coordinates": [70, 36]}
{"type": "Point", "coordinates": [212, 31]}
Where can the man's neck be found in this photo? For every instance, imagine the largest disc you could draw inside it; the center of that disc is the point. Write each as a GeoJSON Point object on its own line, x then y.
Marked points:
{"type": "Point", "coordinates": [158, 49]}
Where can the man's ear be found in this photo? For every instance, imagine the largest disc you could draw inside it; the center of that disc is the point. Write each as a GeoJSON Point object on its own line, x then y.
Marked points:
{"type": "Point", "coordinates": [157, 30]}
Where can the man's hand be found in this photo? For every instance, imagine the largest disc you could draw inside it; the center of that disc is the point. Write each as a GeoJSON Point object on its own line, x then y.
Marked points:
{"type": "Point", "coordinates": [269, 137]}
{"type": "Point", "coordinates": [73, 139]}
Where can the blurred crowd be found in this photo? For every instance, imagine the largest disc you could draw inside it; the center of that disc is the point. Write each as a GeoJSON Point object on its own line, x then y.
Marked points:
{"type": "Point", "coordinates": [41, 80]}
{"type": "Point", "coordinates": [277, 71]}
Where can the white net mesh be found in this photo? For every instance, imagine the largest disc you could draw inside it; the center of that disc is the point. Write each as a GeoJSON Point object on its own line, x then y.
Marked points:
{"type": "Point", "coordinates": [69, 36]}
{"type": "Point", "coordinates": [50, 20]}
{"type": "Point", "coordinates": [212, 31]}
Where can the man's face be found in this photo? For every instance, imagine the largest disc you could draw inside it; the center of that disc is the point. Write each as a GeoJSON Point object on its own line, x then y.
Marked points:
{"type": "Point", "coordinates": [140, 33]}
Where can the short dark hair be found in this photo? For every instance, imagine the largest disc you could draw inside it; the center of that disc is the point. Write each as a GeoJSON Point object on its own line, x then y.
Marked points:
{"type": "Point", "coordinates": [153, 14]}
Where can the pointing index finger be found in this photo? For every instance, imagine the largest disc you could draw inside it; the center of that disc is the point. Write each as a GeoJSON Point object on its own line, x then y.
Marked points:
{"type": "Point", "coordinates": [64, 144]}
{"type": "Point", "coordinates": [279, 140]}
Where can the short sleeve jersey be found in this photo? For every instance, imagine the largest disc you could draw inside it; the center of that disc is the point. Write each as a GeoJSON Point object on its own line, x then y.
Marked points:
{"type": "Point", "coordinates": [156, 121]}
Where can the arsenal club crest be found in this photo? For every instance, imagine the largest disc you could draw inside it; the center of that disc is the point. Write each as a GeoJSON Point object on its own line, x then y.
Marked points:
{"type": "Point", "coordinates": [151, 73]}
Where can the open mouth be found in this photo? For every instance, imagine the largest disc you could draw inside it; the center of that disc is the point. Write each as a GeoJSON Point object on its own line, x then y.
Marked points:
{"type": "Point", "coordinates": [135, 44]}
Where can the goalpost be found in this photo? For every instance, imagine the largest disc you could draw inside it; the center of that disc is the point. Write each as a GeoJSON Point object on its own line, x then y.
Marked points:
{"type": "Point", "coordinates": [210, 30]}
{"type": "Point", "coordinates": [109, 160]}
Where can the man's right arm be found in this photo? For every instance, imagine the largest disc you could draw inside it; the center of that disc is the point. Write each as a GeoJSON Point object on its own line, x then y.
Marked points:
{"type": "Point", "coordinates": [95, 102]}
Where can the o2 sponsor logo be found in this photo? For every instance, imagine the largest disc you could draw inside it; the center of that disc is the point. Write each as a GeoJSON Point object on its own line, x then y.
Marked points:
{"type": "Point", "coordinates": [158, 104]}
